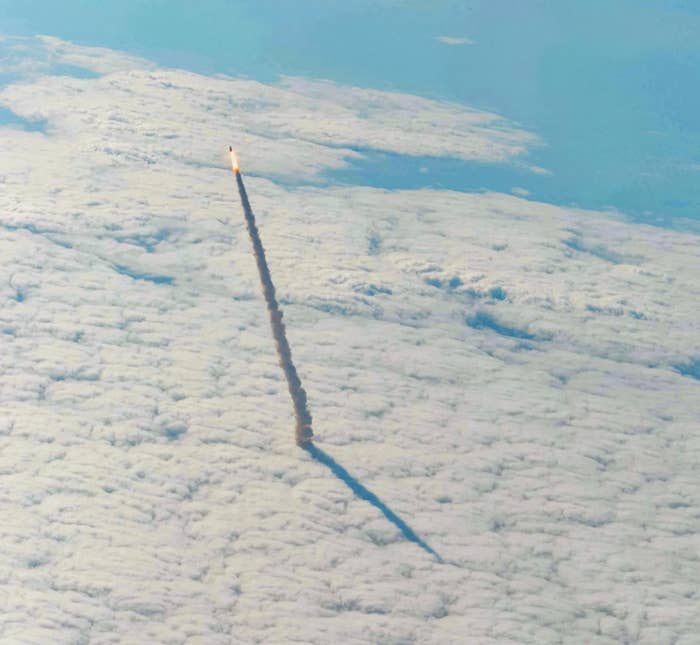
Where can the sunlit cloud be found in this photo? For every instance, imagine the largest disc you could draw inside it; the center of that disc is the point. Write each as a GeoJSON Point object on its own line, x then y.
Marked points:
{"type": "Point", "coordinates": [508, 383]}
{"type": "Point", "coordinates": [454, 40]}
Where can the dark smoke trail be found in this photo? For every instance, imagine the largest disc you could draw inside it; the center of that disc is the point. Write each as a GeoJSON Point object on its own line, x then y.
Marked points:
{"type": "Point", "coordinates": [304, 432]}
{"type": "Point", "coordinates": [297, 392]}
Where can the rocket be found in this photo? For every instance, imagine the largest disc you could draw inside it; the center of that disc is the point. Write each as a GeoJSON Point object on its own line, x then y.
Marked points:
{"type": "Point", "coordinates": [234, 161]}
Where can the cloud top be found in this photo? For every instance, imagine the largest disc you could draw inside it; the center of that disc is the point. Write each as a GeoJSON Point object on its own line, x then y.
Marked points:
{"type": "Point", "coordinates": [322, 121]}
{"type": "Point", "coordinates": [454, 40]}
{"type": "Point", "coordinates": [516, 382]}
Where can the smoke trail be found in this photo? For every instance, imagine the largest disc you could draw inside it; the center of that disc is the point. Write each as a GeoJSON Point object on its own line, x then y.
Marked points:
{"type": "Point", "coordinates": [304, 433]}
{"type": "Point", "coordinates": [296, 390]}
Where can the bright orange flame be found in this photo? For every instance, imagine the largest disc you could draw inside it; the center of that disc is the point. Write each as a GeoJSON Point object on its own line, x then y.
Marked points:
{"type": "Point", "coordinates": [234, 161]}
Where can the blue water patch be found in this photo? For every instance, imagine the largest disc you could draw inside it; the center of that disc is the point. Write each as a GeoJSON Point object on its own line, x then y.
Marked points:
{"type": "Point", "coordinates": [139, 275]}
{"type": "Point", "coordinates": [72, 70]}
{"type": "Point", "coordinates": [599, 251]}
{"type": "Point", "coordinates": [391, 171]}
{"type": "Point", "coordinates": [372, 290]}
{"type": "Point", "coordinates": [691, 368]}
{"type": "Point", "coordinates": [484, 320]}
{"type": "Point", "coordinates": [147, 241]}
{"type": "Point", "coordinates": [452, 283]}
{"type": "Point", "coordinates": [381, 169]}
{"type": "Point", "coordinates": [606, 311]}
{"type": "Point", "coordinates": [374, 244]}
{"type": "Point", "coordinates": [617, 114]}
{"type": "Point", "coordinates": [495, 293]}
{"type": "Point", "coordinates": [8, 78]}
{"type": "Point", "coordinates": [34, 230]}
{"type": "Point", "coordinates": [8, 117]}
{"type": "Point", "coordinates": [175, 430]}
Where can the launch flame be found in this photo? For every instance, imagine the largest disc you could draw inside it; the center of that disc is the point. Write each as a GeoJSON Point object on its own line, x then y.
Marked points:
{"type": "Point", "coordinates": [235, 167]}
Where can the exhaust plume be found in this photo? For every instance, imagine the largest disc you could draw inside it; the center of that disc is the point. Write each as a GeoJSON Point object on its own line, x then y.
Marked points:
{"type": "Point", "coordinates": [304, 433]}
{"type": "Point", "coordinates": [234, 160]}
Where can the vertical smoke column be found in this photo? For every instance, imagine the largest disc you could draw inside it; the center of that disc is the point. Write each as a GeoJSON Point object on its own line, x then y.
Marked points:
{"type": "Point", "coordinates": [296, 390]}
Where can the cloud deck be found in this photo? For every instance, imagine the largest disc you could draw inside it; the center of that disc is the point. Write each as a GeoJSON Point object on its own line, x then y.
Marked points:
{"type": "Point", "coordinates": [148, 485]}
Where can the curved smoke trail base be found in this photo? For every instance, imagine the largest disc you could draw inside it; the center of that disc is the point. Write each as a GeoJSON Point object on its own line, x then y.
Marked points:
{"type": "Point", "coordinates": [304, 433]}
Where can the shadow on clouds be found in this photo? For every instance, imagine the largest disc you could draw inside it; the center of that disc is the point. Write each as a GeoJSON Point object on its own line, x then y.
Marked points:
{"type": "Point", "coordinates": [368, 496]}
{"type": "Point", "coordinates": [690, 369]}
{"type": "Point", "coordinates": [10, 118]}
{"type": "Point", "coordinates": [140, 275]}
{"type": "Point", "coordinates": [483, 320]}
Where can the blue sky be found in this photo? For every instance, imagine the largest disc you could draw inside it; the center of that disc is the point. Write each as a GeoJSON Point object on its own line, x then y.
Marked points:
{"type": "Point", "coordinates": [611, 89]}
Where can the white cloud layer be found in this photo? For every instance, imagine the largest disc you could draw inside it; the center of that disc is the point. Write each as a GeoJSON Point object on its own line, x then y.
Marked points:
{"type": "Point", "coordinates": [507, 376]}
{"type": "Point", "coordinates": [42, 54]}
{"type": "Point", "coordinates": [296, 128]}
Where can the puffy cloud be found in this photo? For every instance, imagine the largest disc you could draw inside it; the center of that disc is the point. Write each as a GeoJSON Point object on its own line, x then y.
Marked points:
{"type": "Point", "coordinates": [519, 191]}
{"type": "Point", "coordinates": [503, 374]}
{"type": "Point", "coordinates": [42, 54]}
{"type": "Point", "coordinates": [454, 40]}
{"type": "Point", "coordinates": [292, 130]}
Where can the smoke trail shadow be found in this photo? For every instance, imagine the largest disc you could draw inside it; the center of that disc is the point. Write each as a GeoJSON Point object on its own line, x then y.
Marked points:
{"type": "Point", "coordinates": [368, 496]}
